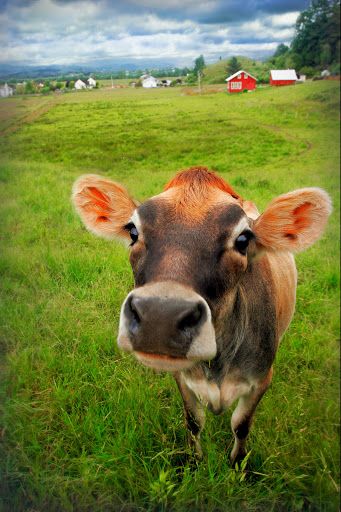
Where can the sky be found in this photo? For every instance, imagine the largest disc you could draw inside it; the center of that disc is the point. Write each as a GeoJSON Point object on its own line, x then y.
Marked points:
{"type": "Point", "coordinates": [64, 32]}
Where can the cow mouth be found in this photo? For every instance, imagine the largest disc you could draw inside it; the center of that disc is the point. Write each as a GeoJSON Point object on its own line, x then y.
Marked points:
{"type": "Point", "coordinates": [163, 362]}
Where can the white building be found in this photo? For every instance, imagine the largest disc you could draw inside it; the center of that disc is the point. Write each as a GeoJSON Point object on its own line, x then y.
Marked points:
{"type": "Point", "coordinates": [80, 85]}
{"type": "Point", "coordinates": [6, 91]}
{"type": "Point", "coordinates": [149, 82]}
{"type": "Point", "coordinates": [91, 82]}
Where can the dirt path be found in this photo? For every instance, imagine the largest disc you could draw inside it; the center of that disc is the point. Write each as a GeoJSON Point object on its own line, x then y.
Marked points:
{"type": "Point", "coordinates": [30, 116]}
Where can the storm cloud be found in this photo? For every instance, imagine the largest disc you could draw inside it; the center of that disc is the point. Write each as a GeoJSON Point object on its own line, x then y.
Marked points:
{"type": "Point", "coordinates": [45, 32]}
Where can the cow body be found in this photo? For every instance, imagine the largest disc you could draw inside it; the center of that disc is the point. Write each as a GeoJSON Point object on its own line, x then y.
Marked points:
{"type": "Point", "coordinates": [215, 284]}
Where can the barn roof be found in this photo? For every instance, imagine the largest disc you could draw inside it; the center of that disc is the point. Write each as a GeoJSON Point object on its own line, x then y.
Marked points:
{"type": "Point", "coordinates": [238, 73]}
{"type": "Point", "coordinates": [283, 74]}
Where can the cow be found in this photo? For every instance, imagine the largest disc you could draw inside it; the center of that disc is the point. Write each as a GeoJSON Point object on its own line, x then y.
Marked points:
{"type": "Point", "coordinates": [215, 284]}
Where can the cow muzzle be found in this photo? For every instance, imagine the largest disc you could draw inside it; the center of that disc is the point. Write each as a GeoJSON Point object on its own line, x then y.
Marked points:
{"type": "Point", "coordinates": [167, 326]}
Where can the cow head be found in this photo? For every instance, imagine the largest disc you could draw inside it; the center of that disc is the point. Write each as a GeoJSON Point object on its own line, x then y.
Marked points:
{"type": "Point", "coordinates": [189, 247]}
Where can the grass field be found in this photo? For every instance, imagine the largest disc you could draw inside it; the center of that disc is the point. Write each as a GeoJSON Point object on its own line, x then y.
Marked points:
{"type": "Point", "coordinates": [83, 426]}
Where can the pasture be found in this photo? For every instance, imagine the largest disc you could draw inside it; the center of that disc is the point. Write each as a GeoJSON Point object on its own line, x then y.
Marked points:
{"type": "Point", "coordinates": [86, 428]}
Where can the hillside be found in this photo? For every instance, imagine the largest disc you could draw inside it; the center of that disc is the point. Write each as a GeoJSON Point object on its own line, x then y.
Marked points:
{"type": "Point", "coordinates": [217, 73]}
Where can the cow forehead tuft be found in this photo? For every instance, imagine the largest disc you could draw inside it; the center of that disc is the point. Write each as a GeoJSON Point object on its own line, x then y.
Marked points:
{"type": "Point", "coordinates": [191, 195]}
{"type": "Point", "coordinates": [196, 180]}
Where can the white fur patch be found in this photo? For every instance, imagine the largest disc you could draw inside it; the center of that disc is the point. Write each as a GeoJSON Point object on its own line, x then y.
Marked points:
{"type": "Point", "coordinates": [217, 397]}
{"type": "Point", "coordinates": [242, 225]}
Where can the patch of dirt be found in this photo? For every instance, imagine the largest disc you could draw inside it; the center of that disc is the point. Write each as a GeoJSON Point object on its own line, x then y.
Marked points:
{"type": "Point", "coordinates": [29, 117]}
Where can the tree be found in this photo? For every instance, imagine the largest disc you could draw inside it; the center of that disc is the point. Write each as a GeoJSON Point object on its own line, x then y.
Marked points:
{"type": "Point", "coordinates": [233, 66]}
{"type": "Point", "coordinates": [199, 65]}
{"type": "Point", "coordinates": [29, 87]}
{"type": "Point", "coordinates": [281, 49]}
{"type": "Point", "coordinates": [317, 27]}
{"type": "Point", "coordinates": [326, 55]}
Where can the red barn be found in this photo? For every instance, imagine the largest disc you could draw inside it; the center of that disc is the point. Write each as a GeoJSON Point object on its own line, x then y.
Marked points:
{"type": "Point", "coordinates": [283, 77]}
{"type": "Point", "coordinates": [241, 81]}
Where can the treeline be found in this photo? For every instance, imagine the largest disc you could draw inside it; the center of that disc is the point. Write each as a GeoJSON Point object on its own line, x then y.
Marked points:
{"type": "Point", "coordinates": [107, 75]}
{"type": "Point", "coordinates": [316, 43]}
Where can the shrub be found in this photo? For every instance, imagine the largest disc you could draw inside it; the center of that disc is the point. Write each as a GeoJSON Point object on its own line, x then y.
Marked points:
{"type": "Point", "coordinates": [335, 69]}
{"type": "Point", "coordinates": [308, 71]}
{"type": "Point", "coordinates": [29, 87]}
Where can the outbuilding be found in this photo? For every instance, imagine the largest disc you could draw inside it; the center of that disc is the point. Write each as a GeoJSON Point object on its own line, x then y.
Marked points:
{"type": "Point", "coordinates": [79, 84]}
{"type": "Point", "coordinates": [149, 81]}
{"type": "Point", "coordinates": [241, 81]}
{"type": "Point", "coordinates": [280, 77]}
{"type": "Point", "coordinates": [6, 91]}
{"type": "Point", "coordinates": [91, 82]}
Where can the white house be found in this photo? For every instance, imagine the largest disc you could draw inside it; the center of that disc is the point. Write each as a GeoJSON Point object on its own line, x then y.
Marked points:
{"type": "Point", "coordinates": [149, 81]}
{"type": "Point", "coordinates": [6, 91]}
{"type": "Point", "coordinates": [91, 82]}
{"type": "Point", "coordinates": [80, 85]}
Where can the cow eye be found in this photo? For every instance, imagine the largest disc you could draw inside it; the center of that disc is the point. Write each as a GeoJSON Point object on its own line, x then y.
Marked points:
{"type": "Point", "coordinates": [134, 234]}
{"type": "Point", "coordinates": [242, 242]}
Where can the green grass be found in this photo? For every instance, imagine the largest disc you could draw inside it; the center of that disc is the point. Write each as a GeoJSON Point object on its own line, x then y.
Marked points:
{"type": "Point", "coordinates": [83, 426]}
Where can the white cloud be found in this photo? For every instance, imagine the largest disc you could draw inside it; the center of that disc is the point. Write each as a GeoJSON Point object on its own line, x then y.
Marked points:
{"type": "Point", "coordinates": [46, 32]}
{"type": "Point", "coordinates": [284, 20]}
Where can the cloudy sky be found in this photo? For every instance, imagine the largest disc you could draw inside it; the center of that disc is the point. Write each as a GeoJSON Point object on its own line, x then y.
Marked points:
{"type": "Point", "coordinates": [46, 32]}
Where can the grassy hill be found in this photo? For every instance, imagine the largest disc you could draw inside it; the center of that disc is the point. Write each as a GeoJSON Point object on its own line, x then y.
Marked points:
{"type": "Point", "coordinates": [217, 73]}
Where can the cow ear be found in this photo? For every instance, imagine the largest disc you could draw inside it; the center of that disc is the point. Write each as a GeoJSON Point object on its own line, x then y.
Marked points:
{"type": "Point", "coordinates": [104, 206]}
{"type": "Point", "coordinates": [293, 221]}
{"type": "Point", "coordinates": [250, 209]}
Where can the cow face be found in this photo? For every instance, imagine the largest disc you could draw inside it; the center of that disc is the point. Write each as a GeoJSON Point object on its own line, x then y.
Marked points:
{"type": "Point", "coordinates": [189, 248]}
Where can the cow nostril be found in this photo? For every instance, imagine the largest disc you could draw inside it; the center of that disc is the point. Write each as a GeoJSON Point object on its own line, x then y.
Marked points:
{"type": "Point", "coordinates": [133, 315]}
{"type": "Point", "coordinates": [191, 318]}
{"type": "Point", "coordinates": [134, 311]}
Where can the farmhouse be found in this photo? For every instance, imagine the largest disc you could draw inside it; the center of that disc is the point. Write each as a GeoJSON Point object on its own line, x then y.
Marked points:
{"type": "Point", "coordinates": [280, 77]}
{"type": "Point", "coordinates": [149, 81]}
{"type": "Point", "coordinates": [241, 81]}
{"type": "Point", "coordinates": [91, 82]}
{"type": "Point", "coordinates": [6, 91]}
{"type": "Point", "coordinates": [80, 85]}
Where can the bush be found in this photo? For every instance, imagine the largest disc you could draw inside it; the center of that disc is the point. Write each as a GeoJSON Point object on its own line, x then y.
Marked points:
{"type": "Point", "coordinates": [308, 71]}
{"type": "Point", "coordinates": [29, 88]}
{"type": "Point", "coordinates": [335, 69]}
{"type": "Point", "coordinates": [264, 78]}
{"type": "Point", "coordinates": [191, 78]}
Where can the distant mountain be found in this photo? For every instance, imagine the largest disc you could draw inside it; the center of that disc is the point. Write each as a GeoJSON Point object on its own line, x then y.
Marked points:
{"type": "Point", "coordinates": [21, 71]}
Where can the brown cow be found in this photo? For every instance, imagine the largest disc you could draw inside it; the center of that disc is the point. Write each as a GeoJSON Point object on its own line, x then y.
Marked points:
{"type": "Point", "coordinates": [215, 284]}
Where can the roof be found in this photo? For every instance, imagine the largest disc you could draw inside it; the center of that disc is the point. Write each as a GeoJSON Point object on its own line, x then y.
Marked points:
{"type": "Point", "coordinates": [283, 74]}
{"type": "Point", "coordinates": [238, 73]}
{"type": "Point", "coordinates": [148, 78]}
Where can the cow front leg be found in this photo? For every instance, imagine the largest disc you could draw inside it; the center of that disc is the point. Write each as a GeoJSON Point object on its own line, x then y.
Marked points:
{"type": "Point", "coordinates": [242, 417]}
{"type": "Point", "coordinates": [194, 414]}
